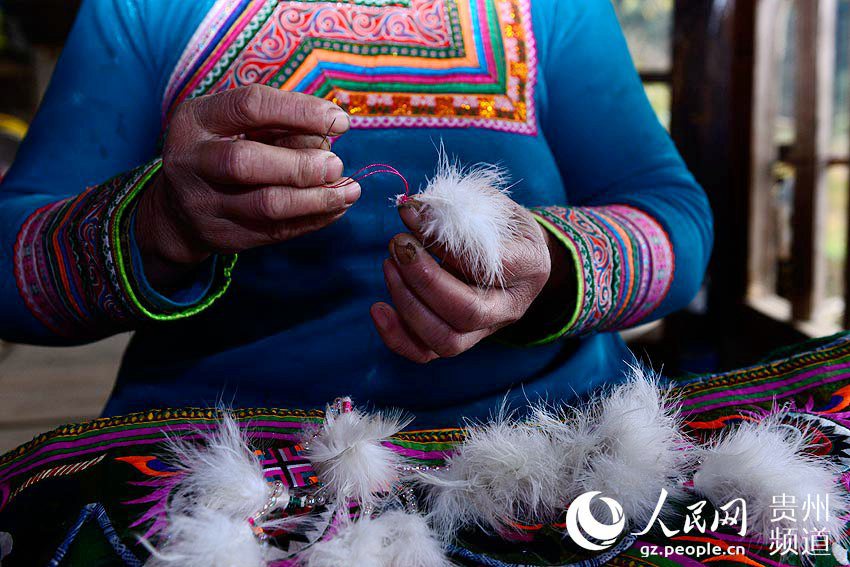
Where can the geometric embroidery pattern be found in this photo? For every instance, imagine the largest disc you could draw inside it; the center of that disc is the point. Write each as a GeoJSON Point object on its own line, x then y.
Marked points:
{"type": "Point", "coordinates": [288, 465]}
{"type": "Point", "coordinates": [405, 63]}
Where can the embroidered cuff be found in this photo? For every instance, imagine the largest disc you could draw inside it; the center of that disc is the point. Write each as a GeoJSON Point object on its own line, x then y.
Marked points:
{"type": "Point", "coordinates": [74, 263]}
{"type": "Point", "coordinates": [624, 262]}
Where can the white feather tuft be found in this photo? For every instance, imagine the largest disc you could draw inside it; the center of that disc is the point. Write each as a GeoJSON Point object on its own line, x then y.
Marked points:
{"type": "Point", "coordinates": [221, 485]}
{"type": "Point", "coordinates": [640, 448]}
{"type": "Point", "coordinates": [467, 211]}
{"type": "Point", "coordinates": [220, 473]}
{"type": "Point", "coordinates": [393, 539]}
{"type": "Point", "coordinates": [349, 458]}
{"type": "Point", "coordinates": [208, 538]}
{"type": "Point", "coordinates": [504, 472]}
{"type": "Point", "coordinates": [762, 461]}
{"type": "Point", "coordinates": [628, 445]}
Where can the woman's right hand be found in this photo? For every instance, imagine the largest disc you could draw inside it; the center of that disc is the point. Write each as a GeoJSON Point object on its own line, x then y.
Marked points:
{"type": "Point", "coordinates": [241, 169]}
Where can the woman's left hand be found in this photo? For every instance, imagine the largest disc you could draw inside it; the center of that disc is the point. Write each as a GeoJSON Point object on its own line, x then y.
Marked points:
{"type": "Point", "coordinates": [438, 313]}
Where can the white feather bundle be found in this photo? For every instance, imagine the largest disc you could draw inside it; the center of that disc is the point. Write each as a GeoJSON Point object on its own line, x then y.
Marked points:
{"type": "Point", "coordinates": [349, 458]}
{"type": "Point", "coordinates": [393, 539]}
{"type": "Point", "coordinates": [640, 448]}
{"type": "Point", "coordinates": [220, 473]}
{"type": "Point", "coordinates": [208, 538]}
{"type": "Point", "coordinates": [627, 445]}
{"type": "Point", "coordinates": [503, 472]}
{"type": "Point", "coordinates": [220, 487]}
{"type": "Point", "coordinates": [762, 461]}
{"type": "Point", "coordinates": [467, 211]}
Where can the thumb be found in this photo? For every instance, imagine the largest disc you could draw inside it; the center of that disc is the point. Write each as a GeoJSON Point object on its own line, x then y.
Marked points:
{"type": "Point", "coordinates": [412, 214]}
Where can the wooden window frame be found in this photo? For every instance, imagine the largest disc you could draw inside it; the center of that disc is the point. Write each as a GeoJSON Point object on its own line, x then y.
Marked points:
{"type": "Point", "coordinates": [809, 155]}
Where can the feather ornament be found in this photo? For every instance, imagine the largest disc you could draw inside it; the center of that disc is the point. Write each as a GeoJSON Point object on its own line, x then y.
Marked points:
{"type": "Point", "coordinates": [349, 457]}
{"type": "Point", "coordinates": [503, 473]}
{"type": "Point", "coordinates": [208, 537]}
{"type": "Point", "coordinates": [220, 489]}
{"type": "Point", "coordinates": [221, 473]}
{"type": "Point", "coordinates": [393, 539]}
{"type": "Point", "coordinates": [640, 447]}
{"type": "Point", "coordinates": [467, 211]}
{"type": "Point", "coordinates": [627, 445]}
{"type": "Point", "coordinates": [761, 462]}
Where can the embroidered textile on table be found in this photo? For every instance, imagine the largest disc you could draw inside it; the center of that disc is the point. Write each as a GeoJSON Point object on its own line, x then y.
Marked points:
{"type": "Point", "coordinates": [72, 261]}
{"type": "Point", "coordinates": [115, 462]}
{"type": "Point", "coordinates": [389, 63]}
{"type": "Point", "coordinates": [624, 261]}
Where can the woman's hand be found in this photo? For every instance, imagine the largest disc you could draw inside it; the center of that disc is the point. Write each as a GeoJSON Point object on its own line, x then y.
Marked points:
{"type": "Point", "coordinates": [241, 169]}
{"type": "Point", "coordinates": [439, 314]}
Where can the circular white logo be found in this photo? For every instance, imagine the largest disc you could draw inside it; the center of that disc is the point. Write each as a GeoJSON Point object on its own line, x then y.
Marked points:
{"type": "Point", "coordinates": [580, 521]}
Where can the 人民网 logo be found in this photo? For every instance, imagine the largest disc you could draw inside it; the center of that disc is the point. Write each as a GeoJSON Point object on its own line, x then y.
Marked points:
{"type": "Point", "coordinates": [586, 531]}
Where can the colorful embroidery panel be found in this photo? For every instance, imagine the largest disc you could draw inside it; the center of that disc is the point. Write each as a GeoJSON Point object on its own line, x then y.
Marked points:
{"type": "Point", "coordinates": [624, 262]}
{"type": "Point", "coordinates": [389, 63]}
{"type": "Point", "coordinates": [72, 267]}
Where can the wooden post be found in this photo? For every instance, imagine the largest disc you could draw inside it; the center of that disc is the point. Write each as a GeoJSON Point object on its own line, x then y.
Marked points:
{"type": "Point", "coordinates": [711, 124]}
{"type": "Point", "coordinates": [815, 76]}
{"type": "Point", "coordinates": [772, 21]}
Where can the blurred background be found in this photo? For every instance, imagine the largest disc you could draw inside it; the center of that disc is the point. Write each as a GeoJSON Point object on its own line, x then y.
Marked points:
{"type": "Point", "coordinates": [755, 94]}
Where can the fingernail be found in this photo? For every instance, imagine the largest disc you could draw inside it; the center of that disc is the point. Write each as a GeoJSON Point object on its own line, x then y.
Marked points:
{"type": "Point", "coordinates": [332, 169]}
{"type": "Point", "coordinates": [413, 204]}
{"type": "Point", "coordinates": [338, 121]}
{"type": "Point", "coordinates": [352, 193]}
{"type": "Point", "coordinates": [381, 317]}
{"type": "Point", "coordinates": [404, 250]}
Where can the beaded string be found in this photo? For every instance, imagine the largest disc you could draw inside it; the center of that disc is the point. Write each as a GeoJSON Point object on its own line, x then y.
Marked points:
{"type": "Point", "coordinates": [278, 490]}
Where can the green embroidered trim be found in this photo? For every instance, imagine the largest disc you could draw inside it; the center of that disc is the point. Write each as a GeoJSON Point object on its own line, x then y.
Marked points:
{"type": "Point", "coordinates": [226, 263]}
{"type": "Point", "coordinates": [574, 254]}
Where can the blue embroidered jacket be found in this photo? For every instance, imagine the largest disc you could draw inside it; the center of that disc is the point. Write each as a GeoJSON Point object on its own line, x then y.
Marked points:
{"type": "Point", "coordinates": [546, 88]}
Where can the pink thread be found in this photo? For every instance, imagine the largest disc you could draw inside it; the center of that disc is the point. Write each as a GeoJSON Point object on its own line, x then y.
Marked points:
{"type": "Point", "coordinates": [369, 171]}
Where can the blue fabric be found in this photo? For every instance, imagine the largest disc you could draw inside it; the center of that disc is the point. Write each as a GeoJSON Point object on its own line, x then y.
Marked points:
{"type": "Point", "coordinates": [294, 329]}
{"type": "Point", "coordinates": [190, 295]}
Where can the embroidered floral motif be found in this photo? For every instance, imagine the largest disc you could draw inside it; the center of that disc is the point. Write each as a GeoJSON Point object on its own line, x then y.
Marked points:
{"type": "Point", "coordinates": [624, 261]}
{"type": "Point", "coordinates": [405, 63]}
